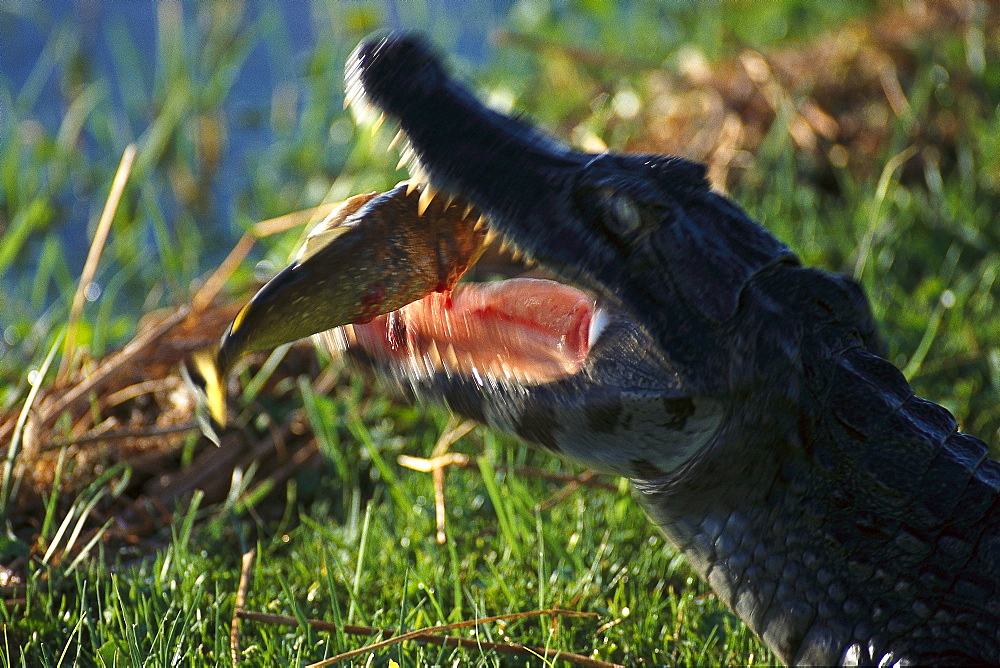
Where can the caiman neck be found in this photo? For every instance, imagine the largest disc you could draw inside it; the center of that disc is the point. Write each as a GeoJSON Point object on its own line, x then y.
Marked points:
{"type": "Point", "coordinates": [813, 514]}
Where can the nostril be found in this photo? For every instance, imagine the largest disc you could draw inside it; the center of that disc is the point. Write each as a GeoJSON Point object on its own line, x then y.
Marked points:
{"type": "Point", "coordinates": [402, 47]}
{"type": "Point", "coordinates": [396, 66]}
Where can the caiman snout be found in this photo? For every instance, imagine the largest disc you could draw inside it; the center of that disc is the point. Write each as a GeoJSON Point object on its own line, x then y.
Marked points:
{"type": "Point", "coordinates": [374, 66]}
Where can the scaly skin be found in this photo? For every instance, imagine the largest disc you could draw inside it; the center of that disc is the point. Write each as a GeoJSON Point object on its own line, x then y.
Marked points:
{"type": "Point", "coordinates": [843, 518]}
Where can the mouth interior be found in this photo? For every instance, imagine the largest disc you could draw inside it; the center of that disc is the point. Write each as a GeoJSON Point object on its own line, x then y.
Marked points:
{"type": "Point", "coordinates": [527, 330]}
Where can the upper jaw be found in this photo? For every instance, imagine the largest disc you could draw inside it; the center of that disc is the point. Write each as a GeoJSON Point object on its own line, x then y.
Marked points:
{"type": "Point", "coordinates": [513, 173]}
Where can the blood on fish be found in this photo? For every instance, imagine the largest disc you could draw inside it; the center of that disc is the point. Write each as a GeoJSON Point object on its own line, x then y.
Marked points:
{"type": "Point", "coordinates": [370, 302]}
{"type": "Point", "coordinates": [395, 331]}
{"type": "Point", "coordinates": [446, 253]}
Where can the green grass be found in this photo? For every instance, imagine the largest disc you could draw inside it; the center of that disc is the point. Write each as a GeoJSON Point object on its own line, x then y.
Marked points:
{"type": "Point", "coordinates": [351, 540]}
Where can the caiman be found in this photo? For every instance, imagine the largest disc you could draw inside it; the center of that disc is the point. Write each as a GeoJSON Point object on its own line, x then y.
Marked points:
{"type": "Point", "coordinates": [845, 519]}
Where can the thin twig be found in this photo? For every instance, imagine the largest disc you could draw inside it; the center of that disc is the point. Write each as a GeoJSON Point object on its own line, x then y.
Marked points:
{"type": "Point", "coordinates": [266, 228]}
{"type": "Point", "coordinates": [454, 431]}
{"type": "Point", "coordinates": [457, 459]}
{"type": "Point", "coordinates": [318, 624]}
{"type": "Point", "coordinates": [440, 512]}
{"type": "Point", "coordinates": [607, 625]}
{"type": "Point", "coordinates": [428, 465]}
{"type": "Point", "coordinates": [93, 257]}
{"type": "Point", "coordinates": [451, 434]}
{"type": "Point", "coordinates": [138, 389]}
{"type": "Point", "coordinates": [241, 599]}
{"type": "Point", "coordinates": [428, 635]}
{"type": "Point", "coordinates": [110, 435]}
{"type": "Point", "coordinates": [586, 478]}
{"type": "Point", "coordinates": [565, 491]}
{"type": "Point", "coordinates": [208, 292]}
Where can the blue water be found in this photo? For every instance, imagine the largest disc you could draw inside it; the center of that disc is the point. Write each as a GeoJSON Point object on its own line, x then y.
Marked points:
{"type": "Point", "coordinates": [28, 33]}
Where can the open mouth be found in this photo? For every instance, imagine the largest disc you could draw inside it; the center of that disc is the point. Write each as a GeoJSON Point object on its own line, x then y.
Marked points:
{"type": "Point", "coordinates": [508, 319]}
{"type": "Point", "coordinates": [527, 330]}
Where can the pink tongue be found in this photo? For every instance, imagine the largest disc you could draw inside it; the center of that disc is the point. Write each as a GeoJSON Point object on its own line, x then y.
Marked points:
{"type": "Point", "coordinates": [530, 329]}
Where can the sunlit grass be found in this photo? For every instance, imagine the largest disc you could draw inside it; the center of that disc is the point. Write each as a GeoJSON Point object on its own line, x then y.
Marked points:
{"type": "Point", "coordinates": [352, 539]}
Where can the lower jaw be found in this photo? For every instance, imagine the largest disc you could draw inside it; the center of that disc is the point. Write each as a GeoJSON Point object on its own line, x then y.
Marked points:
{"type": "Point", "coordinates": [526, 330]}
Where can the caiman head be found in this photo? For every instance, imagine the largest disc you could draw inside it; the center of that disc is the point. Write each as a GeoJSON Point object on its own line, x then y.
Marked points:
{"type": "Point", "coordinates": [651, 267]}
{"type": "Point", "coordinates": [679, 344]}
{"type": "Point", "coordinates": [664, 259]}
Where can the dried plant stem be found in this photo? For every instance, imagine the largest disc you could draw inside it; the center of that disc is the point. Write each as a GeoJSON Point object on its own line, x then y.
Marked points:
{"type": "Point", "coordinates": [204, 297]}
{"type": "Point", "coordinates": [241, 599]}
{"type": "Point", "coordinates": [94, 256]}
{"type": "Point", "coordinates": [430, 635]}
{"type": "Point", "coordinates": [461, 461]}
{"type": "Point", "coordinates": [286, 222]}
{"type": "Point", "coordinates": [210, 290]}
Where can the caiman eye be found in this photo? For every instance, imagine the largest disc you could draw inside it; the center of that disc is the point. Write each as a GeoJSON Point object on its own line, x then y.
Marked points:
{"type": "Point", "coordinates": [622, 216]}
{"type": "Point", "coordinates": [612, 213]}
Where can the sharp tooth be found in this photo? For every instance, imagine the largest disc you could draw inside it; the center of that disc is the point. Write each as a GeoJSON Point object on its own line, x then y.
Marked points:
{"type": "Point", "coordinates": [416, 171]}
{"type": "Point", "coordinates": [395, 140]}
{"type": "Point", "coordinates": [379, 120]}
{"type": "Point", "coordinates": [468, 210]}
{"type": "Point", "coordinates": [504, 246]}
{"type": "Point", "coordinates": [471, 364]}
{"type": "Point", "coordinates": [516, 255]}
{"type": "Point", "coordinates": [434, 355]}
{"type": "Point", "coordinates": [480, 224]}
{"type": "Point", "coordinates": [448, 199]}
{"type": "Point", "coordinates": [349, 337]}
{"type": "Point", "coordinates": [426, 197]}
{"type": "Point", "coordinates": [352, 93]}
{"type": "Point", "coordinates": [406, 157]}
{"type": "Point", "coordinates": [429, 367]}
{"type": "Point", "coordinates": [451, 358]}
{"type": "Point", "coordinates": [490, 236]}
{"type": "Point", "coordinates": [411, 185]}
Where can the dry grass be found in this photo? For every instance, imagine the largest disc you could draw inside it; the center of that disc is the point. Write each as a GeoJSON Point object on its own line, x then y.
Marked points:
{"type": "Point", "coordinates": [128, 420]}
{"type": "Point", "coordinates": [132, 407]}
